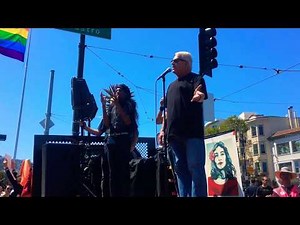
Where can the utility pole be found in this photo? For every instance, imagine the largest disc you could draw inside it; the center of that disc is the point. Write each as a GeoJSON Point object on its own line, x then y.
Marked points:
{"type": "Point", "coordinates": [243, 153]}
{"type": "Point", "coordinates": [48, 121]}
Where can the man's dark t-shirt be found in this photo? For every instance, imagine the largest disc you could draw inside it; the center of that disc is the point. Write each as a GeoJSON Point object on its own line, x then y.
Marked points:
{"type": "Point", "coordinates": [185, 118]}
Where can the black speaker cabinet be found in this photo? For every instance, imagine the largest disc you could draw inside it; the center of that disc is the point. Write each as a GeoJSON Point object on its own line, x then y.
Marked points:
{"type": "Point", "coordinates": [60, 170]}
{"type": "Point", "coordinates": [82, 100]}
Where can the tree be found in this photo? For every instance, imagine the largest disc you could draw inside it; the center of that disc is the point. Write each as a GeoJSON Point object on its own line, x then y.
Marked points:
{"type": "Point", "coordinates": [234, 123]}
{"type": "Point", "coordinates": [231, 123]}
{"type": "Point", "coordinates": [211, 131]}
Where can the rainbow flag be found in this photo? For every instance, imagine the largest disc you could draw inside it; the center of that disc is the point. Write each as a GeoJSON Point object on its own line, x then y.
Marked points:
{"type": "Point", "coordinates": [13, 42]}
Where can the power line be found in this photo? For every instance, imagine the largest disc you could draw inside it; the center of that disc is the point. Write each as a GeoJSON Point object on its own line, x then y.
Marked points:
{"type": "Point", "coordinates": [131, 53]}
{"type": "Point", "coordinates": [129, 81]}
{"type": "Point", "coordinates": [120, 74]}
{"type": "Point", "coordinates": [277, 72]}
{"type": "Point", "coordinates": [251, 102]}
{"type": "Point", "coordinates": [251, 85]}
{"type": "Point", "coordinates": [220, 64]}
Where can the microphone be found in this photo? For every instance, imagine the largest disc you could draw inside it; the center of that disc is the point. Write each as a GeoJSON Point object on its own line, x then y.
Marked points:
{"type": "Point", "coordinates": [168, 70]}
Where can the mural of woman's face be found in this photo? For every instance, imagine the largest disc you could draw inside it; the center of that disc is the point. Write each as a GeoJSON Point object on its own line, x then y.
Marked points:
{"type": "Point", "coordinates": [220, 158]}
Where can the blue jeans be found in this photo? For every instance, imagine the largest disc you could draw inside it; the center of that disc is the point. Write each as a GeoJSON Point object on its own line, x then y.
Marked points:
{"type": "Point", "coordinates": [189, 158]}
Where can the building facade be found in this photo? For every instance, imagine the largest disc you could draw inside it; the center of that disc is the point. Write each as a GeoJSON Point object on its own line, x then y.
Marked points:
{"type": "Point", "coordinates": [258, 148]}
{"type": "Point", "coordinates": [286, 149]}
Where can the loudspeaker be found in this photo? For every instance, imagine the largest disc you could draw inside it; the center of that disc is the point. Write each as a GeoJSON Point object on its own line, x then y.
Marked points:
{"type": "Point", "coordinates": [60, 170]}
{"type": "Point", "coordinates": [82, 100]}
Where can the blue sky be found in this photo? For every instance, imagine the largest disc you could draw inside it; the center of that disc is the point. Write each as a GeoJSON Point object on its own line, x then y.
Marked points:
{"type": "Point", "coordinates": [136, 57]}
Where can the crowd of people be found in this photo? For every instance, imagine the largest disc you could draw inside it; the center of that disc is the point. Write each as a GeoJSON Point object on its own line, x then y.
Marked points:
{"type": "Point", "coordinates": [16, 184]}
{"type": "Point", "coordinates": [285, 185]}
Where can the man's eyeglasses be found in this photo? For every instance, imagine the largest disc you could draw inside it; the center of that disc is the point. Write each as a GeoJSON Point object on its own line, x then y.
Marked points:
{"type": "Point", "coordinates": [264, 179]}
{"type": "Point", "coordinates": [177, 60]}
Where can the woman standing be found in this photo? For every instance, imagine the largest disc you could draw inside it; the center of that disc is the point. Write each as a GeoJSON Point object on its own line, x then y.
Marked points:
{"type": "Point", "coordinates": [120, 119]}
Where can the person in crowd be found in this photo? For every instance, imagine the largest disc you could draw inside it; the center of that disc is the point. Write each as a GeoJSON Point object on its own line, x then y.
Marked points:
{"type": "Point", "coordinates": [286, 188]}
{"type": "Point", "coordinates": [14, 179]}
{"type": "Point", "coordinates": [251, 190]}
{"type": "Point", "coordinates": [274, 184]}
{"type": "Point", "coordinates": [185, 126]}
{"type": "Point", "coordinates": [264, 190]}
{"type": "Point", "coordinates": [26, 178]}
{"type": "Point", "coordinates": [8, 189]}
{"type": "Point", "coordinates": [2, 189]}
{"type": "Point", "coordinates": [222, 180]}
{"type": "Point", "coordinates": [120, 118]}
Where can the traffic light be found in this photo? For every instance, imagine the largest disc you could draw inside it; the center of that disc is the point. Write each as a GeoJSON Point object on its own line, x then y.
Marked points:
{"type": "Point", "coordinates": [207, 50]}
{"type": "Point", "coordinates": [2, 137]}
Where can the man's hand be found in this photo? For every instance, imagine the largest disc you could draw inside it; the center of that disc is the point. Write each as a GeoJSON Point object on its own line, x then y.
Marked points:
{"type": "Point", "coordinates": [160, 138]}
{"type": "Point", "coordinates": [162, 102]}
{"type": "Point", "coordinates": [198, 95]}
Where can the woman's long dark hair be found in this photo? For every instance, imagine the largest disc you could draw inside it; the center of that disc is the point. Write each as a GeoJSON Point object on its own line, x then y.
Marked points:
{"type": "Point", "coordinates": [229, 169]}
{"type": "Point", "coordinates": [131, 105]}
{"type": "Point", "coordinates": [129, 101]}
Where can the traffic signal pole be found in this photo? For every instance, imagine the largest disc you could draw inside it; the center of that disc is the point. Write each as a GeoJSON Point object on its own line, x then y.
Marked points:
{"type": "Point", "coordinates": [75, 126]}
{"type": "Point", "coordinates": [81, 56]}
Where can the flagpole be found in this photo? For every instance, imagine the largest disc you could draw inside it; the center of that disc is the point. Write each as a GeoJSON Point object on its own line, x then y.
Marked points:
{"type": "Point", "coordinates": [22, 98]}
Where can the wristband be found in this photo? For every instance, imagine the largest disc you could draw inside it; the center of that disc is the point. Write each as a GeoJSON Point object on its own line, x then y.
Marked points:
{"type": "Point", "coordinates": [161, 108]}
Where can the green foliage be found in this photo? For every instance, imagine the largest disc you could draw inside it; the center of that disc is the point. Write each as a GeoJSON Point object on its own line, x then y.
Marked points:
{"type": "Point", "coordinates": [211, 131]}
{"type": "Point", "coordinates": [231, 123]}
{"type": "Point", "coordinates": [234, 123]}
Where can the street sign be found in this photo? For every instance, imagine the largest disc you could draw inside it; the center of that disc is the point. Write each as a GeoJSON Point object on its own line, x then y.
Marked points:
{"type": "Point", "coordinates": [43, 123]}
{"type": "Point", "coordinates": [97, 32]}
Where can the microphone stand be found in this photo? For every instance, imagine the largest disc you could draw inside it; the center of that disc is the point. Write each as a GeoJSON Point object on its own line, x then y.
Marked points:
{"type": "Point", "coordinates": [164, 112]}
{"type": "Point", "coordinates": [161, 174]}
{"type": "Point", "coordinates": [166, 157]}
{"type": "Point", "coordinates": [163, 159]}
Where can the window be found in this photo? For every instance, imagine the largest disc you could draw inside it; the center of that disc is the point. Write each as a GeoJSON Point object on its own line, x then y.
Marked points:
{"type": "Point", "coordinates": [260, 130]}
{"type": "Point", "coordinates": [287, 164]}
{"type": "Point", "coordinates": [265, 167]}
{"type": "Point", "coordinates": [297, 166]}
{"type": "Point", "coordinates": [262, 149]}
{"type": "Point", "coordinates": [296, 146]}
{"type": "Point", "coordinates": [257, 167]}
{"type": "Point", "coordinates": [283, 149]}
{"type": "Point", "coordinates": [253, 131]}
{"type": "Point", "coordinates": [255, 149]}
